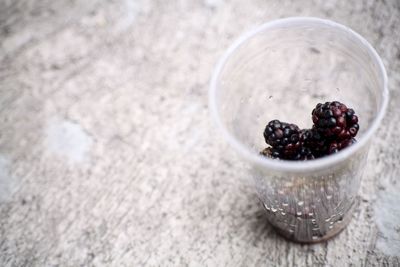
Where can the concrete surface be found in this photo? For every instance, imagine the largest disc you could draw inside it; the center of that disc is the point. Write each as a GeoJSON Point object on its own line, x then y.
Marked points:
{"type": "Point", "coordinates": [108, 156]}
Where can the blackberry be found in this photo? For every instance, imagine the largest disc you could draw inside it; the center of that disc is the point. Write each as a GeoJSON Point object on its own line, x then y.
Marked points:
{"type": "Point", "coordinates": [335, 121]}
{"type": "Point", "coordinates": [283, 137]}
{"type": "Point", "coordinates": [304, 153]}
{"type": "Point", "coordinates": [335, 147]}
{"type": "Point", "coordinates": [312, 139]}
{"type": "Point", "coordinates": [334, 129]}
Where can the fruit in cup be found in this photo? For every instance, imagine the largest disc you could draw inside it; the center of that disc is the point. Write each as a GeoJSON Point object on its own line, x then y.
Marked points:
{"type": "Point", "coordinates": [334, 120]}
{"type": "Point", "coordinates": [284, 139]}
{"type": "Point", "coordinates": [334, 128]}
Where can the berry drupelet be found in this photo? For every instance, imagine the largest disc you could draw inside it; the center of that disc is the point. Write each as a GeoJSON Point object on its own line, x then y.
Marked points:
{"type": "Point", "coordinates": [283, 137]}
{"type": "Point", "coordinates": [333, 120]}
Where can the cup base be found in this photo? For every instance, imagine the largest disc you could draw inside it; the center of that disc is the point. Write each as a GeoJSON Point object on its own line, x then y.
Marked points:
{"type": "Point", "coordinates": [324, 238]}
{"type": "Point", "coordinates": [306, 238]}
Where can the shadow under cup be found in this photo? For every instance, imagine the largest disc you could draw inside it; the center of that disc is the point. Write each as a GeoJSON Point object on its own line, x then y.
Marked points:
{"type": "Point", "coordinates": [281, 71]}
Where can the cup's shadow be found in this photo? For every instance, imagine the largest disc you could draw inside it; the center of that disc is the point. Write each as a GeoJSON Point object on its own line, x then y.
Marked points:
{"type": "Point", "coordinates": [260, 226]}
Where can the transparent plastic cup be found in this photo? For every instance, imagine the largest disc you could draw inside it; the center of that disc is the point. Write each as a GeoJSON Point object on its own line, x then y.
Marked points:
{"type": "Point", "coordinates": [281, 70]}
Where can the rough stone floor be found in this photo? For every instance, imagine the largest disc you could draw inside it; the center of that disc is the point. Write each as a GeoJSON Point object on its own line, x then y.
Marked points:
{"type": "Point", "coordinates": [108, 156]}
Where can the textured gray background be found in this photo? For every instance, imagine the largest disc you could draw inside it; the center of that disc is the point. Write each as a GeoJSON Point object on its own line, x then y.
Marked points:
{"type": "Point", "coordinates": [108, 156]}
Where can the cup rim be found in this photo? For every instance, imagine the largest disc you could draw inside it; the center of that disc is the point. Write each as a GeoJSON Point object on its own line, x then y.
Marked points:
{"type": "Point", "coordinates": [297, 166]}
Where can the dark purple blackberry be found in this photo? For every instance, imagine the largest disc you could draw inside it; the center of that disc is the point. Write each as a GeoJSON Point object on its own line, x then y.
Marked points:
{"type": "Point", "coordinates": [334, 129]}
{"type": "Point", "coordinates": [330, 118]}
{"type": "Point", "coordinates": [337, 146]}
{"type": "Point", "coordinates": [283, 137]}
{"type": "Point", "coordinates": [335, 121]}
{"type": "Point", "coordinates": [314, 140]}
{"type": "Point", "coordinates": [304, 153]}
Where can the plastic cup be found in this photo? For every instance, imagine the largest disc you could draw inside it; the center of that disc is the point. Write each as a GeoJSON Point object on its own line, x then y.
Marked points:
{"type": "Point", "coordinates": [281, 70]}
